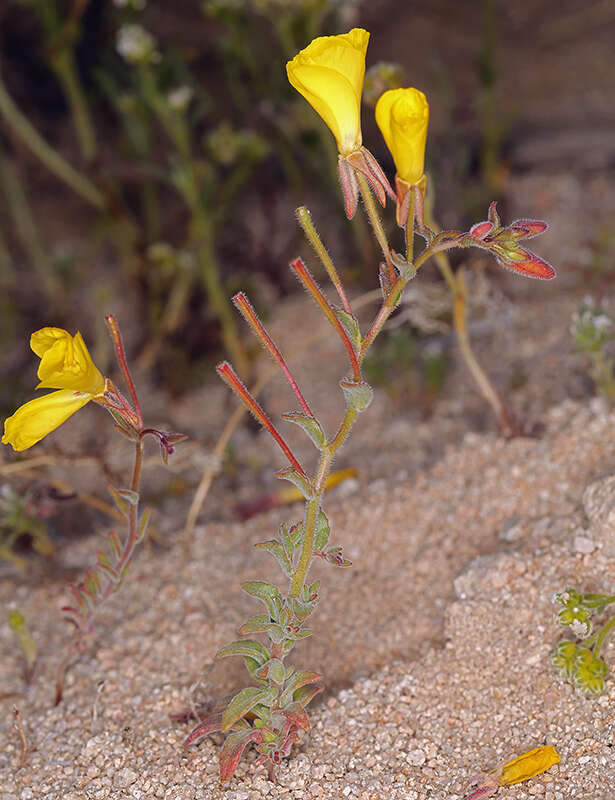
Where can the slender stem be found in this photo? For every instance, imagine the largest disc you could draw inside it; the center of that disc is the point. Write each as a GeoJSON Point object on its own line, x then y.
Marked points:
{"type": "Point", "coordinates": [65, 68]}
{"type": "Point", "coordinates": [610, 625]}
{"type": "Point", "coordinates": [409, 226]}
{"type": "Point", "coordinates": [301, 271]}
{"type": "Point", "coordinates": [305, 220]}
{"type": "Point", "coordinates": [121, 357]}
{"type": "Point", "coordinates": [313, 505]}
{"type": "Point", "coordinates": [243, 304]}
{"type": "Point", "coordinates": [54, 162]}
{"type": "Point", "coordinates": [479, 375]}
{"type": "Point", "coordinates": [374, 218]}
{"type": "Point", "coordinates": [230, 377]}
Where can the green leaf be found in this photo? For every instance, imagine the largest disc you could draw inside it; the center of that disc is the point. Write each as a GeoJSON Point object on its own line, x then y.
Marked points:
{"type": "Point", "coordinates": [351, 326]}
{"type": "Point", "coordinates": [321, 535]}
{"type": "Point", "coordinates": [279, 553]}
{"type": "Point", "coordinates": [266, 592]}
{"type": "Point", "coordinates": [259, 623]}
{"type": "Point", "coordinates": [358, 394]}
{"type": "Point", "coordinates": [232, 749]}
{"type": "Point", "coordinates": [120, 500]}
{"type": "Point", "coordinates": [305, 694]}
{"type": "Point", "coordinates": [273, 670]}
{"type": "Point", "coordinates": [243, 702]}
{"type": "Point", "coordinates": [302, 610]}
{"type": "Point", "coordinates": [143, 523]}
{"type": "Point", "coordinates": [246, 647]}
{"type": "Point", "coordinates": [300, 481]}
{"type": "Point", "coordinates": [310, 425]}
{"type": "Point", "coordinates": [300, 679]}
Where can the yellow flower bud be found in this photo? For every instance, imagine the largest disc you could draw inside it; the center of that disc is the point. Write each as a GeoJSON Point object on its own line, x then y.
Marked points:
{"type": "Point", "coordinates": [65, 365]}
{"type": "Point", "coordinates": [329, 73]}
{"type": "Point", "coordinates": [402, 116]}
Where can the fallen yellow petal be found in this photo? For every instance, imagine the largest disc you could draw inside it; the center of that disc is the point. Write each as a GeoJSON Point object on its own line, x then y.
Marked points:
{"type": "Point", "coordinates": [529, 764]}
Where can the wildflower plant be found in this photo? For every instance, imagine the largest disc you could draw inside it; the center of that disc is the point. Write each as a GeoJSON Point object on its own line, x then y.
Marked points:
{"type": "Point", "coordinates": [580, 661]}
{"type": "Point", "coordinates": [328, 73]}
{"type": "Point", "coordinates": [593, 330]}
{"type": "Point", "coordinates": [67, 367]}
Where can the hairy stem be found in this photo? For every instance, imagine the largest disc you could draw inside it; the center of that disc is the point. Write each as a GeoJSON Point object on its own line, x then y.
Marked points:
{"type": "Point", "coordinates": [374, 218]}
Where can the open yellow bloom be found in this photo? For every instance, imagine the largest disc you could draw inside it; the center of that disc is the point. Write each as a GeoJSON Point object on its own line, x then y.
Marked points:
{"type": "Point", "coordinates": [402, 116]}
{"type": "Point", "coordinates": [65, 365]}
{"type": "Point", "coordinates": [329, 73]}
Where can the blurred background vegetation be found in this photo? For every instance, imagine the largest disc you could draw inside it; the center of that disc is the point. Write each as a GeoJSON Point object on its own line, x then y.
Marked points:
{"type": "Point", "coordinates": [151, 153]}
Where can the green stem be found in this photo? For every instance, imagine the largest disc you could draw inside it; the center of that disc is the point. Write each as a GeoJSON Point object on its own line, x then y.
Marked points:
{"type": "Point", "coordinates": [223, 309]}
{"type": "Point", "coordinates": [610, 625]}
{"type": "Point", "coordinates": [63, 63]}
{"type": "Point", "coordinates": [54, 162]}
{"type": "Point", "coordinates": [305, 220]}
{"type": "Point", "coordinates": [374, 218]}
{"type": "Point", "coordinates": [409, 227]}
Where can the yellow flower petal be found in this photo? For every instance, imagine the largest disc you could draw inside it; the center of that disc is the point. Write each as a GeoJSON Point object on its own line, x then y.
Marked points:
{"type": "Point", "coordinates": [34, 420]}
{"type": "Point", "coordinates": [402, 116]}
{"type": "Point", "coordinates": [329, 73]}
{"type": "Point", "coordinates": [529, 764]}
{"type": "Point", "coordinates": [65, 362]}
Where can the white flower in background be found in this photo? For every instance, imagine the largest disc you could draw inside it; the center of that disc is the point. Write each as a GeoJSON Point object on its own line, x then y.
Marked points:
{"type": "Point", "coordinates": [180, 97]}
{"type": "Point", "coordinates": [136, 45]}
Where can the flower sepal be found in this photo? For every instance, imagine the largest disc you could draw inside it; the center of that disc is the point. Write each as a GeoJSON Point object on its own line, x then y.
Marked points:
{"type": "Point", "coordinates": [362, 161]}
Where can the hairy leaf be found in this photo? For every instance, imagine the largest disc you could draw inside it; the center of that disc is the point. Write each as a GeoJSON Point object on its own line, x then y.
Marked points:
{"type": "Point", "coordinates": [310, 425]}
{"type": "Point", "coordinates": [351, 326]}
{"type": "Point", "coordinates": [279, 553]}
{"type": "Point", "coordinates": [211, 724]}
{"type": "Point", "coordinates": [243, 702]}
{"type": "Point", "coordinates": [232, 749]}
{"type": "Point", "coordinates": [245, 647]}
{"type": "Point", "coordinates": [322, 532]}
{"type": "Point", "coordinates": [300, 481]}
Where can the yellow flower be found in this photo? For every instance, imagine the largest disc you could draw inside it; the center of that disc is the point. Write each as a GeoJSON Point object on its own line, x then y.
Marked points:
{"type": "Point", "coordinates": [329, 74]}
{"type": "Point", "coordinates": [65, 365]}
{"type": "Point", "coordinates": [529, 764]}
{"type": "Point", "coordinates": [402, 116]}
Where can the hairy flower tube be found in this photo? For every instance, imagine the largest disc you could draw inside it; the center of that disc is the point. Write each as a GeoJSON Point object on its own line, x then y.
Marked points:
{"type": "Point", "coordinates": [402, 116]}
{"type": "Point", "coordinates": [65, 365]}
{"type": "Point", "coordinates": [329, 74]}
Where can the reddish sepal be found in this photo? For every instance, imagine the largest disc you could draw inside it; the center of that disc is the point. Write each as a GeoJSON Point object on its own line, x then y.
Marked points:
{"type": "Point", "coordinates": [531, 266]}
{"type": "Point", "coordinates": [481, 229]}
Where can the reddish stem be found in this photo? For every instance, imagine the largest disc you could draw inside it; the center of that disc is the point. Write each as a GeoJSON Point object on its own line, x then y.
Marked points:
{"type": "Point", "coordinates": [243, 304]}
{"type": "Point", "coordinates": [121, 357]}
{"type": "Point", "coordinates": [302, 272]}
{"type": "Point", "coordinates": [230, 377]}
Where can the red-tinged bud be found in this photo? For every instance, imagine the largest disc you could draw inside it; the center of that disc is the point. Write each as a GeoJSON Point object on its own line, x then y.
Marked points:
{"type": "Point", "coordinates": [528, 264]}
{"type": "Point", "coordinates": [534, 227]}
{"type": "Point", "coordinates": [481, 229]}
{"type": "Point", "coordinates": [493, 216]}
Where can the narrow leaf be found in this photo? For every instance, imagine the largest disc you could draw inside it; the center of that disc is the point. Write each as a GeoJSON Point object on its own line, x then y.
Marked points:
{"type": "Point", "coordinates": [259, 623]}
{"type": "Point", "coordinates": [310, 425]}
{"type": "Point", "coordinates": [211, 724]}
{"type": "Point", "coordinates": [300, 679]}
{"type": "Point", "coordinates": [306, 694]}
{"type": "Point", "coordinates": [350, 325]}
{"type": "Point", "coordinates": [273, 670]}
{"type": "Point", "coordinates": [266, 592]}
{"type": "Point", "coordinates": [143, 523]}
{"type": "Point", "coordinates": [279, 553]}
{"type": "Point", "coordinates": [243, 702]}
{"type": "Point", "coordinates": [120, 501]}
{"type": "Point", "coordinates": [232, 749]}
{"type": "Point", "coordinates": [245, 647]}
{"type": "Point", "coordinates": [300, 481]}
{"type": "Point", "coordinates": [321, 535]}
